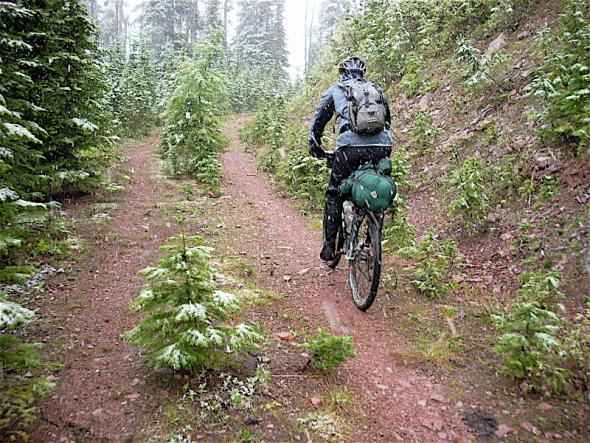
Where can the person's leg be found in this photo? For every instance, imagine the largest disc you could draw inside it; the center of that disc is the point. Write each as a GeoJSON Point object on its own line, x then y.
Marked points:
{"type": "Point", "coordinates": [333, 204]}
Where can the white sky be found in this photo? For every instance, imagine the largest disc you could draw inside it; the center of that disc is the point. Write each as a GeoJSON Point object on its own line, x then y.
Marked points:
{"type": "Point", "coordinates": [294, 29]}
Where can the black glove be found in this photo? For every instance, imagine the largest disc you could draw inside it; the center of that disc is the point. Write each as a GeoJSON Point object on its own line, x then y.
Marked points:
{"type": "Point", "coordinates": [315, 149]}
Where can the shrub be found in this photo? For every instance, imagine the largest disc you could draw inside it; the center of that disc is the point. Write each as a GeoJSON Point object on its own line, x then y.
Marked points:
{"type": "Point", "coordinates": [267, 130]}
{"type": "Point", "coordinates": [305, 176]}
{"type": "Point", "coordinates": [482, 70]}
{"type": "Point", "coordinates": [472, 201]}
{"type": "Point", "coordinates": [434, 263]}
{"type": "Point", "coordinates": [529, 345]}
{"type": "Point", "coordinates": [423, 133]}
{"type": "Point", "coordinates": [329, 351]}
{"type": "Point", "coordinates": [564, 80]}
{"type": "Point", "coordinates": [187, 328]}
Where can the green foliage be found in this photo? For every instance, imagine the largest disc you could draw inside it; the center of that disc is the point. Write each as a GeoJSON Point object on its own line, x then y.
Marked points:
{"type": "Point", "coordinates": [472, 201]}
{"type": "Point", "coordinates": [138, 91]}
{"type": "Point", "coordinates": [188, 325]}
{"type": "Point", "coordinates": [20, 393]}
{"type": "Point", "coordinates": [252, 88]}
{"type": "Point", "coordinates": [530, 345]}
{"type": "Point", "coordinates": [267, 130]}
{"type": "Point", "coordinates": [195, 111]}
{"type": "Point", "coordinates": [305, 177]}
{"type": "Point", "coordinates": [329, 351]}
{"type": "Point", "coordinates": [564, 80]}
{"type": "Point", "coordinates": [481, 70]}
{"type": "Point", "coordinates": [433, 265]}
{"type": "Point", "coordinates": [54, 119]}
{"type": "Point", "coordinates": [399, 233]}
{"type": "Point", "coordinates": [424, 133]}
{"type": "Point", "coordinates": [412, 79]}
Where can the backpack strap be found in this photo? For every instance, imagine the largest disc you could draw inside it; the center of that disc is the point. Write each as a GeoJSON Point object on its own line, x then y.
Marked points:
{"type": "Point", "coordinates": [346, 90]}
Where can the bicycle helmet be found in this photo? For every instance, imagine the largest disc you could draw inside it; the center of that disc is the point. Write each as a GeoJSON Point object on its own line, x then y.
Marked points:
{"type": "Point", "coordinates": [352, 65]}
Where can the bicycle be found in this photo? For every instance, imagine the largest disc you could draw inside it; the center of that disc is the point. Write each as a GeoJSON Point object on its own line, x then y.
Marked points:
{"type": "Point", "coordinates": [359, 239]}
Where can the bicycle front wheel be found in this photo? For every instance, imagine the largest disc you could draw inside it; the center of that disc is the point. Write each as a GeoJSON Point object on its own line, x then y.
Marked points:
{"type": "Point", "coordinates": [365, 260]}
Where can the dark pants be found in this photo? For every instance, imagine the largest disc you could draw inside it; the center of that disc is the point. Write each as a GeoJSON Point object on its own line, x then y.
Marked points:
{"type": "Point", "coordinates": [346, 160]}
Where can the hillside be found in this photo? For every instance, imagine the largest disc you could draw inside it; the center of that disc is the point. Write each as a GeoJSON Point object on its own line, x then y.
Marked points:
{"type": "Point", "coordinates": [491, 111]}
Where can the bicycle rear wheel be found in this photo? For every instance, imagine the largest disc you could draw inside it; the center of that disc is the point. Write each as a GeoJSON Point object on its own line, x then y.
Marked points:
{"type": "Point", "coordinates": [365, 260]}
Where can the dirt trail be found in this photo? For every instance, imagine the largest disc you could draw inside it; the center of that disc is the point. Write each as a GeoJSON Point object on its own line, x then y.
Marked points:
{"type": "Point", "coordinates": [406, 405]}
{"type": "Point", "coordinates": [104, 392]}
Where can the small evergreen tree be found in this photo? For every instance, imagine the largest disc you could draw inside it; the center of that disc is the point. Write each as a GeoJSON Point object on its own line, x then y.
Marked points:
{"type": "Point", "coordinates": [167, 73]}
{"type": "Point", "coordinates": [329, 351]}
{"type": "Point", "coordinates": [564, 79]}
{"type": "Point", "coordinates": [191, 139]}
{"type": "Point", "coordinates": [188, 325]}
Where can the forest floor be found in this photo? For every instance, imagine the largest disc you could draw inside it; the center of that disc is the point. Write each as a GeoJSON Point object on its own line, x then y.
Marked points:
{"type": "Point", "coordinates": [394, 390]}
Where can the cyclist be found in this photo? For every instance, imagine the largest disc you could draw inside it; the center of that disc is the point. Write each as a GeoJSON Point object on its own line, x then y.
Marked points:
{"type": "Point", "coordinates": [354, 147]}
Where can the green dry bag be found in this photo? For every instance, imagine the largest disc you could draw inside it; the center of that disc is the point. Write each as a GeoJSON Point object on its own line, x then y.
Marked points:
{"type": "Point", "coordinates": [370, 189]}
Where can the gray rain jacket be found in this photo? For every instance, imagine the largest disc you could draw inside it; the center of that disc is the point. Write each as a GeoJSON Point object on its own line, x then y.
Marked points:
{"type": "Point", "coordinates": [334, 101]}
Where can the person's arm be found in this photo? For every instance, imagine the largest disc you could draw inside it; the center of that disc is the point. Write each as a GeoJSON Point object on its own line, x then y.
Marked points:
{"type": "Point", "coordinates": [387, 111]}
{"type": "Point", "coordinates": [322, 116]}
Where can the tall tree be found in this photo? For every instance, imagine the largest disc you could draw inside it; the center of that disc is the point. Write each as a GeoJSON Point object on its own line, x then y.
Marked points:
{"type": "Point", "coordinates": [318, 32]}
{"type": "Point", "coordinates": [93, 9]}
{"type": "Point", "coordinates": [260, 37]}
{"type": "Point", "coordinates": [212, 14]}
{"type": "Point", "coordinates": [168, 22]}
{"type": "Point", "coordinates": [227, 7]}
{"type": "Point", "coordinates": [114, 23]}
{"type": "Point", "coordinates": [139, 89]}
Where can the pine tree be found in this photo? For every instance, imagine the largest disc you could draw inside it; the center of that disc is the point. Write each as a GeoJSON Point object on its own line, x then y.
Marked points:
{"type": "Point", "coordinates": [194, 113]}
{"type": "Point", "coordinates": [114, 23]}
{"type": "Point", "coordinates": [188, 325]}
{"type": "Point", "coordinates": [20, 144]}
{"type": "Point", "coordinates": [167, 73]}
{"type": "Point", "coordinates": [139, 90]}
{"type": "Point", "coordinates": [260, 36]}
{"type": "Point", "coordinates": [114, 69]}
{"type": "Point", "coordinates": [172, 22]}
{"type": "Point", "coordinates": [93, 9]}
{"type": "Point", "coordinates": [212, 17]}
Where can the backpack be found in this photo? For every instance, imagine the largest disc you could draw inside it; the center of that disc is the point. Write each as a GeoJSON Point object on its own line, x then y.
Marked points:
{"type": "Point", "coordinates": [371, 186]}
{"type": "Point", "coordinates": [366, 106]}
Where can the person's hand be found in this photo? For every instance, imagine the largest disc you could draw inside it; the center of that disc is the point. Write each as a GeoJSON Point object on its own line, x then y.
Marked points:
{"type": "Point", "coordinates": [315, 149]}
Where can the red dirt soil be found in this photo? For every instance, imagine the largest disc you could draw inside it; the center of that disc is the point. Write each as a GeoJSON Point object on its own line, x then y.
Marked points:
{"type": "Point", "coordinates": [105, 392]}
{"type": "Point", "coordinates": [407, 406]}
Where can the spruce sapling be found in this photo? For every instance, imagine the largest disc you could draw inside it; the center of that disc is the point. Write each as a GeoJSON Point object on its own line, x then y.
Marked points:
{"type": "Point", "coordinates": [187, 328]}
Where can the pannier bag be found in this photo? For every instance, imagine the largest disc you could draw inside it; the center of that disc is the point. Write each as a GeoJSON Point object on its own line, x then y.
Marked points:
{"type": "Point", "coordinates": [370, 187]}
{"type": "Point", "coordinates": [366, 106]}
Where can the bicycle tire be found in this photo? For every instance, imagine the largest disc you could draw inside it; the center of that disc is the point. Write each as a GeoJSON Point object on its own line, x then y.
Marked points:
{"type": "Point", "coordinates": [363, 299]}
